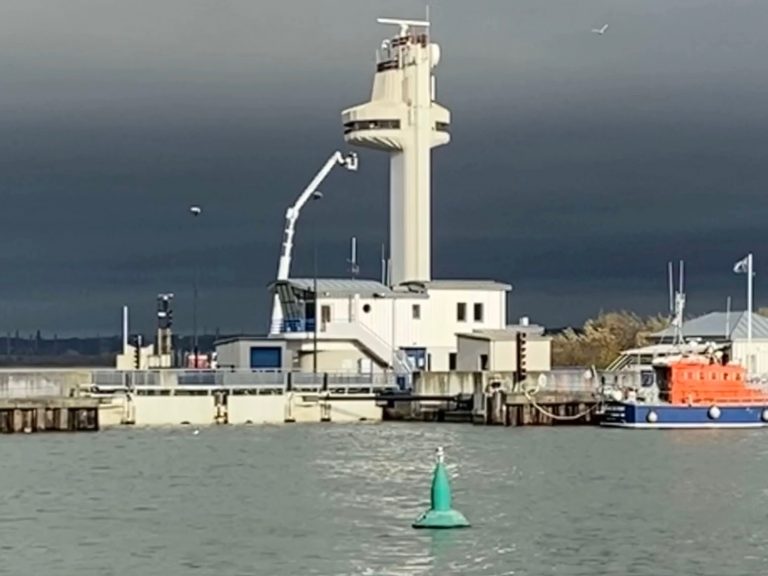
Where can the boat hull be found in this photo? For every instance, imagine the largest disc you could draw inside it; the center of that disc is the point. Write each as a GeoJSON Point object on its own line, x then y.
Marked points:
{"type": "Point", "coordinates": [660, 416]}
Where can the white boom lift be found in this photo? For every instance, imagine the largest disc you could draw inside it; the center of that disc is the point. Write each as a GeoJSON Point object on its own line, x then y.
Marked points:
{"type": "Point", "coordinates": [292, 215]}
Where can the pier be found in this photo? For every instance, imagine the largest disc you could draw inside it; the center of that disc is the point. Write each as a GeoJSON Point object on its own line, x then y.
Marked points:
{"type": "Point", "coordinates": [552, 409]}
{"type": "Point", "coordinates": [85, 399]}
{"type": "Point", "coordinates": [48, 415]}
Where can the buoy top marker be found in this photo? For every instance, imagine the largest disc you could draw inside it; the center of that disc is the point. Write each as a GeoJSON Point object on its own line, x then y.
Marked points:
{"type": "Point", "coordinates": [440, 514]}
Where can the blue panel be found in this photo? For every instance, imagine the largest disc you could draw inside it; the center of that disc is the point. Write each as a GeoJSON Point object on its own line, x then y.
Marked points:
{"type": "Point", "coordinates": [266, 358]}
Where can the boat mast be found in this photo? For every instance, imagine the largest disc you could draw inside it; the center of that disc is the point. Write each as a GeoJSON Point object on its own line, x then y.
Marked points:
{"type": "Point", "coordinates": [677, 322]}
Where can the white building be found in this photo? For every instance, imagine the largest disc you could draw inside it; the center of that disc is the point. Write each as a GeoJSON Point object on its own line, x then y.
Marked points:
{"type": "Point", "coordinates": [524, 346]}
{"type": "Point", "coordinates": [365, 326]}
{"type": "Point", "coordinates": [412, 322]}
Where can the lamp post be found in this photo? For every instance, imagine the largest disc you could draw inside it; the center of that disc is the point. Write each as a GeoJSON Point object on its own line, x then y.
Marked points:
{"type": "Point", "coordinates": [316, 195]}
{"type": "Point", "coordinates": [196, 211]}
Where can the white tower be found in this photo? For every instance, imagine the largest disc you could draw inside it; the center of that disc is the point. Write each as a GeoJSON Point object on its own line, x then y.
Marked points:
{"type": "Point", "coordinates": [403, 119]}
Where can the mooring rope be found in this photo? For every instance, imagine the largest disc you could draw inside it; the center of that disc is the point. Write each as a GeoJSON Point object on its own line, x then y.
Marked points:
{"type": "Point", "coordinates": [529, 395]}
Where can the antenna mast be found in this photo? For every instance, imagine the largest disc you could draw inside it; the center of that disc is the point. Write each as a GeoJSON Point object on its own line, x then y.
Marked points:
{"type": "Point", "coordinates": [679, 308]}
{"type": "Point", "coordinates": [354, 269]}
{"type": "Point", "coordinates": [671, 284]}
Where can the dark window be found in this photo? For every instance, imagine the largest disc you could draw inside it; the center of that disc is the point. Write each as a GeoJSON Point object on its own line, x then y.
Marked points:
{"type": "Point", "coordinates": [478, 312]}
{"type": "Point", "coordinates": [416, 311]}
{"type": "Point", "coordinates": [266, 358]}
{"type": "Point", "coordinates": [366, 308]}
{"type": "Point", "coordinates": [461, 312]}
{"type": "Point", "coordinates": [483, 361]}
{"type": "Point", "coordinates": [371, 125]}
{"type": "Point", "coordinates": [452, 361]}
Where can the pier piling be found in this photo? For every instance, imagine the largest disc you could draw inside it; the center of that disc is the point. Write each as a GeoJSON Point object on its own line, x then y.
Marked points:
{"type": "Point", "coordinates": [48, 415]}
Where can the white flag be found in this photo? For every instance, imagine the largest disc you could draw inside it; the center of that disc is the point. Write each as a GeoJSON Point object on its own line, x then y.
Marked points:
{"type": "Point", "coordinates": [741, 267]}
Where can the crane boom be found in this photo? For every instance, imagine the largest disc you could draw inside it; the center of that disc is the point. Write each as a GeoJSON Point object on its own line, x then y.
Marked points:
{"type": "Point", "coordinates": [349, 162]}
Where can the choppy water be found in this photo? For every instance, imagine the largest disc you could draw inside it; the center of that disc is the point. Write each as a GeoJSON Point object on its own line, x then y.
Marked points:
{"type": "Point", "coordinates": [338, 500]}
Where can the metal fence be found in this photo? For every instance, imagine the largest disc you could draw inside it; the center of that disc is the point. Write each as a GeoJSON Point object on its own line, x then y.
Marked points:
{"type": "Point", "coordinates": [37, 383]}
{"type": "Point", "coordinates": [65, 382]}
{"type": "Point", "coordinates": [114, 379]}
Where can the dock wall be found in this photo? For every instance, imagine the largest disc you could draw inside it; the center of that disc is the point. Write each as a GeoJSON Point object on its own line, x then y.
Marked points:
{"type": "Point", "coordinates": [203, 397]}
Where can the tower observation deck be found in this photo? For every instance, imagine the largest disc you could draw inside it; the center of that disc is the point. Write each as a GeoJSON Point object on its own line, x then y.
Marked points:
{"type": "Point", "coordinates": [403, 118]}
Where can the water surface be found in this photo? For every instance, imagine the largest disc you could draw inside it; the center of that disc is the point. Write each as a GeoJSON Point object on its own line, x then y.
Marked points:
{"type": "Point", "coordinates": [337, 500]}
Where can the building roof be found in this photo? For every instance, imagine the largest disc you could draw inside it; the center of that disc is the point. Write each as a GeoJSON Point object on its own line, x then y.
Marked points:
{"type": "Point", "coordinates": [500, 335]}
{"type": "Point", "coordinates": [458, 284]}
{"type": "Point", "coordinates": [341, 286]}
{"type": "Point", "coordinates": [246, 338]}
{"type": "Point", "coordinates": [720, 325]}
{"type": "Point", "coordinates": [369, 288]}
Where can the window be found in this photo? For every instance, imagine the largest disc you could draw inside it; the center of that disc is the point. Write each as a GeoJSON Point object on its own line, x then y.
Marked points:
{"type": "Point", "coordinates": [366, 308]}
{"type": "Point", "coordinates": [483, 362]}
{"type": "Point", "coordinates": [325, 313]}
{"type": "Point", "coordinates": [478, 312]}
{"type": "Point", "coordinates": [461, 312]}
{"type": "Point", "coordinates": [452, 361]}
{"type": "Point", "coordinates": [416, 311]}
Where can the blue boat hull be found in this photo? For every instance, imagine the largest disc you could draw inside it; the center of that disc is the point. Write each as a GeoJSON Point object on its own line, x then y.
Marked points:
{"type": "Point", "coordinates": [627, 415]}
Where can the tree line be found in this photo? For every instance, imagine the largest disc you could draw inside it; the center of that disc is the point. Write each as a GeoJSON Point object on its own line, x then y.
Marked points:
{"type": "Point", "coordinates": [601, 339]}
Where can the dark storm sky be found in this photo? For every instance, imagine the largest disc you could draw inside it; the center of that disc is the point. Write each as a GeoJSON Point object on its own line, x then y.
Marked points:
{"type": "Point", "coordinates": [579, 164]}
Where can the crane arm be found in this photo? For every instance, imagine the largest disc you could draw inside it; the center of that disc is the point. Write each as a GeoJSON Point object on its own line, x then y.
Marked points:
{"type": "Point", "coordinates": [292, 214]}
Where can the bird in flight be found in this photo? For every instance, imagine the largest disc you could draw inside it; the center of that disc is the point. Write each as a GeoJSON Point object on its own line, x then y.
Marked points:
{"type": "Point", "coordinates": [600, 31]}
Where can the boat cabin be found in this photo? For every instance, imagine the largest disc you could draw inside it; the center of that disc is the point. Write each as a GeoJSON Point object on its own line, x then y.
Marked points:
{"type": "Point", "coordinates": [689, 382]}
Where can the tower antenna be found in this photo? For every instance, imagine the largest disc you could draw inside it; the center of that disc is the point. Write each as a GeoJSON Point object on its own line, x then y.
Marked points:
{"type": "Point", "coordinates": [404, 24]}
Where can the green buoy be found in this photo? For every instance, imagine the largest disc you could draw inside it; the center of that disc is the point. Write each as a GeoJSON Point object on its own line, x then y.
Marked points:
{"type": "Point", "coordinates": [440, 513]}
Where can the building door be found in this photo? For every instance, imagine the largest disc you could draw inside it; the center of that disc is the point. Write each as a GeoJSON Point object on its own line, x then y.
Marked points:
{"type": "Point", "coordinates": [417, 358]}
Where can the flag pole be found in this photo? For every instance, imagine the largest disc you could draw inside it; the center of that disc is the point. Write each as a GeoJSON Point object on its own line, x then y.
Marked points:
{"type": "Point", "coordinates": [749, 311]}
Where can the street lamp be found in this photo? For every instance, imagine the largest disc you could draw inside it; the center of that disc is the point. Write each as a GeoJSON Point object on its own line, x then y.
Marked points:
{"type": "Point", "coordinates": [195, 211]}
{"type": "Point", "coordinates": [316, 195]}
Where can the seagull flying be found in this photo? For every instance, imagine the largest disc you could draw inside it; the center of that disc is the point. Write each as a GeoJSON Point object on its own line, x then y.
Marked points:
{"type": "Point", "coordinates": [600, 31]}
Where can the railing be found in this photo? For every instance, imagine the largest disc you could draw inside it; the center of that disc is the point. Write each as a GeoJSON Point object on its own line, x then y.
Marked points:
{"type": "Point", "coordinates": [26, 389]}
{"type": "Point", "coordinates": [294, 325]}
{"type": "Point", "coordinates": [32, 383]}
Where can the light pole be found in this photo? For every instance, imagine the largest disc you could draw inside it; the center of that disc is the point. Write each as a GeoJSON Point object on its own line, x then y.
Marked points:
{"type": "Point", "coordinates": [316, 195]}
{"type": "Point", "coordinates": [196, 211]}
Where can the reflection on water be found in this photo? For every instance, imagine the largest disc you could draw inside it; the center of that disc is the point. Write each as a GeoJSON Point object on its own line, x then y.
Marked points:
{"type": "Point", "coordinates": [340, 499]}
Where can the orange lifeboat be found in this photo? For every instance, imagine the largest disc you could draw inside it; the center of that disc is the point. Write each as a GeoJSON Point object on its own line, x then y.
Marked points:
{"type": "Point", "coordinates": [691, 383]}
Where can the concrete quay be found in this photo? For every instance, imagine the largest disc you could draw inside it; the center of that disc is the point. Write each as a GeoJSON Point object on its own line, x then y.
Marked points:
{"type": "Point", "coordinates": [37, 399]}
{"type": "Point", "coordinates": [198, 397]}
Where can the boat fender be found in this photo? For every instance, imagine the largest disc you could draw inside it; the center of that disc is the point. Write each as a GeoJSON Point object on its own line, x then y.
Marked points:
{"type": "Point", "coordinates": [765, 415]}
{"type": "Point", "coordinates": [714, 413]}
{"type": "Point", "coordinates": [652, 417]}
